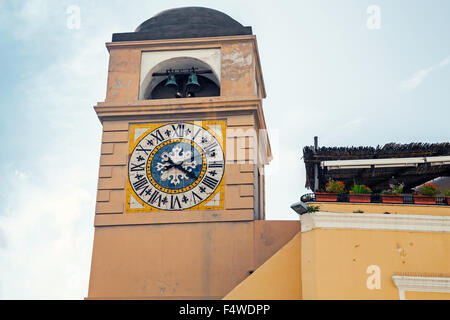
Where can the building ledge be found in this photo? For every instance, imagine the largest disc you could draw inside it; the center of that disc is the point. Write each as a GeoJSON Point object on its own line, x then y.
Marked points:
{"type": "Point", "coordinates": [384, 208]}
{"type": "Point", "coordinates": [378, 198]}
{"type": "Point", "coordinates": [361, 221]}
{"type": "Point", "coordinates": [421, 284]}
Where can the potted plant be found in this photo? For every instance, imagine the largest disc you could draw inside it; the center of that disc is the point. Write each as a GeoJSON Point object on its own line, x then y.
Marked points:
{"type": "Point", "coordinates": [426, 193]}
{"type": "Point", "coordinates": [360, 193]}
{"type": "Point", "coordinates": [312, 209]}
{"type": "Point", "coordinates": [333, 188]}
{"type": "Point", "coordinates": [393, 194]}
{"type": "Point", "coordinates": [446, 194]}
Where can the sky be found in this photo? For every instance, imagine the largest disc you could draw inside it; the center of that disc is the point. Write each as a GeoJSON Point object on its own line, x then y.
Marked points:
{"type": "Point", "coordinates": [352, 72]}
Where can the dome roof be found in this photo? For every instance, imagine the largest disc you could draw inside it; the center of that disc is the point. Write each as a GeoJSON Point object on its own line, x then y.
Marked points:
{"type": "Point", "coordinates": [187, 22]}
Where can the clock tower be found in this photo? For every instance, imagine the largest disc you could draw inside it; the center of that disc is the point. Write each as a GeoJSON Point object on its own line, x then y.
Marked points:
{"type": "Point", "coordinates": [183, 150]}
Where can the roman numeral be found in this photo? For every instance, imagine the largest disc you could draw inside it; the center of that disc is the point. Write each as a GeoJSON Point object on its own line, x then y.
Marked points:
{"type": "Point", "coordinates": [210, 182]}
{"type": "Point", "coordinates": [139, 184]}
{"type": "Point", "coordinates": [211, 148]}
{"type": "Point", "coordinates": [215, 164]}
{"type": "Point", "coordinates": [194, 195]}
{"type": "Point", "coordinates": [173, 201]}
{"type": "Point", "coordinates": [143, 190]}
{"type": "Point", "coordinates": [179, 130]}
{"type": "Point", "coordinates": [137, 167]}
{"type": "Point", "coordinates": [140, 148]}
{"type": "Point", "coordinates": [195, 135]}
{"type": "Point", "coordinates": [155, 196]}
{"type": "Point", "coordinates": [159, 137]}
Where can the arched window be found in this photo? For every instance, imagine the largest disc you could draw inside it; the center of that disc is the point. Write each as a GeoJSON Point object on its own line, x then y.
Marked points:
{"type": "Point", "coordinates": [181, 77]}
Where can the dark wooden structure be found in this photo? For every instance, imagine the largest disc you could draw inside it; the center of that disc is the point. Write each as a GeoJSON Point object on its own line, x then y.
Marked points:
{"type": "Point", "coordinates": [377, 179]}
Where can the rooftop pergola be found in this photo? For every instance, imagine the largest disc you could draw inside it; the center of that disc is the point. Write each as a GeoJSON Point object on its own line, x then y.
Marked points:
{"type": "Point", "coordinates": [412, 164]}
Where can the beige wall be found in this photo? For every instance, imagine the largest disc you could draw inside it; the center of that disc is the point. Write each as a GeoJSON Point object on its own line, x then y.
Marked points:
{"type": "Point", "coordinates": [279, 278]}
{"type": "Point", "coordinates": [335, 262]}
{"type": "Point", "coordinates": [411, 295]}
{"type": "Point", "coordinates": [181, 260]}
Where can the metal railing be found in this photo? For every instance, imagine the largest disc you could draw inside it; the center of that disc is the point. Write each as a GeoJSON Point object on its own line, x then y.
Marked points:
{"type": "Point", "coordinates": [377, 198]}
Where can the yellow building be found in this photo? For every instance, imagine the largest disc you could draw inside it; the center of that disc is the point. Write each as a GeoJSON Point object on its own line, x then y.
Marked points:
{"type": "Point", "coordinates": [180, 211]}
{"type": "Point", "coordinates": [339, 254]}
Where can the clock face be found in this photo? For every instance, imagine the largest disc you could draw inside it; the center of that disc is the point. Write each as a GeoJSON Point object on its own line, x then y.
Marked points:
{"type": "Point", "coordinates": [176, 166]}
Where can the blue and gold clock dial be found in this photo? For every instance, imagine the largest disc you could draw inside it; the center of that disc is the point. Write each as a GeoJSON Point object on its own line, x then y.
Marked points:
{"type": "Point", "coordinates": [176, 166]}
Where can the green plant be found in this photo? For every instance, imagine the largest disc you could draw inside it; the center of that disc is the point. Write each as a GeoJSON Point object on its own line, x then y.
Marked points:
{"type": "Point", "coordinates": [394, 189]}
{"type": "Point", "coordinates": [428, 189]}
{"type": "Point", "coordinates": [446, 193]}
{"type": "Point", "coordinates": [312, 208]}
{"type": "Point", "coordinates": [335, 187]}
{"type": "Point", "coordinates": [360, 189]}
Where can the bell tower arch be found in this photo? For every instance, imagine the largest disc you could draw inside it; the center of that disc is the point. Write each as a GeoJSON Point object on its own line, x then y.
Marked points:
{"type": "Point", "coordinates": [181, 65]}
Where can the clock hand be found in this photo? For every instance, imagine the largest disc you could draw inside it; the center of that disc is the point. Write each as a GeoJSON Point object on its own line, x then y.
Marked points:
{"type": "Point", "coordinates": [170, 161]}
{"type": "Point", "coordinates": [172, 164]}
{"type": "Point", "coordinates": [190, 174]}
{"type": "Point", "coordinates": [169, 167]}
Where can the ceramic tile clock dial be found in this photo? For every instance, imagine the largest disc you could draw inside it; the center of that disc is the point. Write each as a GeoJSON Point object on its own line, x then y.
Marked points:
{"type": "Point", "coordinates": [176, 166]}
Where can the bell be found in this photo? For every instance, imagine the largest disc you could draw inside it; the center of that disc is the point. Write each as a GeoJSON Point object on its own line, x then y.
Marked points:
{"type": "Point", "coordinates": [171, 82]}
{"type": "Point", "coordinates": [192, 83]}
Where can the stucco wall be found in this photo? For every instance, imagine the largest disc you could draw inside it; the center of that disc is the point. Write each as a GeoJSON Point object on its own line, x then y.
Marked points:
{"type": "Point", "coordinates": [279, 278]}
{"type": "Point", "coordinates": [238, 66]}
{"type": "Point", "coordinates": [335, 262]}
{"type": "Point", "coordinates": [182, 260]}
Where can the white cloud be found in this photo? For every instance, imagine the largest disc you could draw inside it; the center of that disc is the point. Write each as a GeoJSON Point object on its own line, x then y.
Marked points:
{"type": "Point", "coordinates": [47, 236]}
{"type": "Point", "coordinates": [21, 175]}
{"type": "Point", "coordinates": [445, 62]}
{"type": "Point", "coordinates": [47, 211]}
{"type": "Point", "coordinates": [418, 77]}
{"type": "Point", "coordinates": [30, 18]}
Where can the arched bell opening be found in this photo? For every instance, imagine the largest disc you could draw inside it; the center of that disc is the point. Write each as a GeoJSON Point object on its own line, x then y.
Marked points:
{"type": "Point", "coordinates": [181, 77]}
